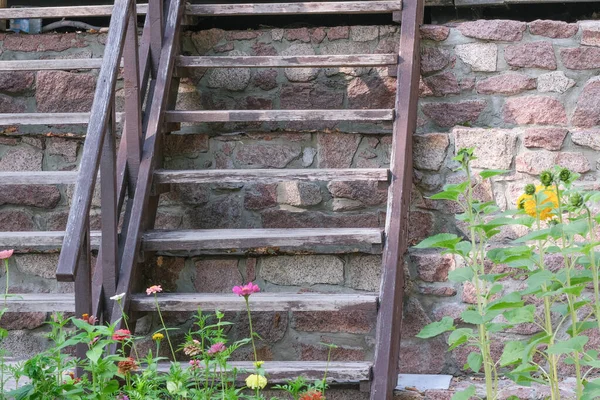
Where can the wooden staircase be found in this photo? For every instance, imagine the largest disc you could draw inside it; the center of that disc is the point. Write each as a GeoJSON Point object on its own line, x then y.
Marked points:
{"type": "Point", "coordinates": [132, 179]}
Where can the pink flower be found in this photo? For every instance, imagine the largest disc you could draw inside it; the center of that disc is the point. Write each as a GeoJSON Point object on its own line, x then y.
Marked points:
{"type": "Point", "coordinates": [153, 289]}
{"type": "Point", "coordinates": [216, 348]}
{"type": "Point", "coordinates": [246, 290]}
{"type": "Point", "coordinates": [121, 334]}
{"type": "Point", "coordinates": [6, 254]}
{"type": "Point", "coordinates": [194, 364]}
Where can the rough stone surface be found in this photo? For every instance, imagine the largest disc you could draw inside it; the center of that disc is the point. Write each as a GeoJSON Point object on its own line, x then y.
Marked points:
{"type": "Point", "coordinates": [338, 32]}
{"type": "Point", "coordinates": [450, 114]}
{"type": "Point", "coordinates": [495, 148]}
{"type": "Point", "coordinates": [300, 34]}
{"type": "Point", "coordinates": [587, 138]}
{"type": "Point", "coordinates": [234, 79]}
{"type": "Point", "coordinates": [429, 151]}
{"type": "Point", "coordinates": [300, 74]}
{"type": "Point", "coordinates": [43, 265]}
{"type": "Point", "coordinates": [442, 84]}
{"type": "Point", "coordinates": [46, 42]}
{"type": "Point", "coordinates": [545, 138]}
{"type": "Point", "coordinates": [29, 320]}
{"type": "Point", "coordinates": [9, 105]}
{"type": "Point", "coordinates": [185, 145]}
{"type": "Point", "coordinates": [479, 56]}
{"type": "Point", "coordinates": [534, 162]}
{"type": "Point", "coordinates": [363, 272]}
{"type": "Point", "coordinates": [63, 147]}
{"type": "Point", "coordinates": [302, 270]}
{"type": "Point", "coordinates": [351, 322]}
{"type": "Point", "coordinates": [59, 91]}
{"type": "Point", "coordinates": [266, 80]}
{"type": "Point", "coordinates": [554, 82]}
{"type": "Point", "coordinates": [364, 33]}
{"type": "Point", "coordinates": [553, 29]}
{"type": "Point", "coordinates": [434, 59]}
{"type": "Point", "coordinates": [575, 161]}
{"type": "Point", "coordinates": [299, 193]}
{"type": "Point", "coordinates": [511, 83]}
{"type": "Point", "coordinates": [432, 267]}
{"type": "Point", "coordinates": [539, 110]}
{"type": "Point", "coordinates": [531, 55]}
{"type": "Point", "coordinates": [590, 36]}
{"type": "Point", "coordinates": [260, 196]}
{"type": "Point", "coordinates": [42, 196]}
{"type": "Point", "coordinates": [372, 92]}
{"type": "Point", "coordinates": [504, 30]}
{"type": "Point", "coordinates": [336, 150]}
{"type": "Point", "coordinates": [268, 155]}
{"type": "Point", "coordinates": [16, 81]}
{"type": "Point", "coordinates": [580, 58]}
{"type": "Point", "coordinates": [369, 193]}
{"type": "Point", "coordinates": [272, 218]}
{"type": "Point", "coordinates": [21, 159]}
{"type": "Point", "coordinates": [434, 32]}
{"type": "Point", "coordinates": [587, 112]}
{"type": "Point", "coordinates": [217, 275]}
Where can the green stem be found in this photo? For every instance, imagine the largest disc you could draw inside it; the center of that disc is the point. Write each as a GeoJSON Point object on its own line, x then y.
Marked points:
{"type": "Point", "coordinates": [7, 280]}
{"type": "Point", "coordinates": [252, 338]}
{"type": "Point", "coordinates": [124, 316]}
{"type": "Point", "coordinates": [162, 321]}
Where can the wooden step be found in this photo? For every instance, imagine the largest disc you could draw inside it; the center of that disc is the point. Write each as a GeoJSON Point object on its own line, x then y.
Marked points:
{"type": "Point", "coordinates": [39, 241]}
{"type": "Point", "coordinates": [279, 115]}
{"type": "Point", "coordinates": [259, 302]}
{"type": "Point", "coordinates": [38, 178]}
{"type": "Point", "coordinates": [338, 372]}
{"type": "Point", "coordinates": [48, 118]}
{"type": "Point", "coordinates": [269, 175]}
{"type": "Point", "coordinates": [39, 65]}
{"type": "Point", "coordinates": [354, 60]}
{"type": "Point", "coordinates": [39, 302]}
{"type": "Point", "coordinates": [264, 241]}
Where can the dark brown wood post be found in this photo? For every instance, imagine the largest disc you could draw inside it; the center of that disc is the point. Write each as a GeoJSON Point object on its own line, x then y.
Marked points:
{"type": "Point", "coordinates": [83, 287]}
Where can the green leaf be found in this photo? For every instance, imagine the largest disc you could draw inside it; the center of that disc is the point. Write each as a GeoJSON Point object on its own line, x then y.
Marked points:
{"type": "Point", "coordinates": [442, 240]}
{"type": "Point", "coordinates": [458, 337]}
{"type": "Point", "coordinates": [464, 394]}
{"type": "Point", "coordinates": [582, 326]}
{"type": "Point", "coordinates": [591, 390]}
{"type": "Point", "coordinates": [474, 361]}
{"type": "Point", "coordinates": [461, 275]}
{"type": "Point", "coordinates": [511, 300]}
{"type": "Point", "coordinates": [568, 346]}
{"type": "Point", "coordinates": [488, 173]}
{"type": "Point", "coordinates": [437, 328]}
{"type": "Point", "coordinates": [520, 315]}
{"type": "Point", "coordinates": [111, 387]}
{"type": "Point", "coordinates": [94, 354]}
{"type": "Point", "coordinates": [512, 353]}
{"type": "Point", "coordinates": [535, 235]}
{"type": "Point", "coordinates": [472, 317]}
{"type": "Point", "coordinates": [172, 387]}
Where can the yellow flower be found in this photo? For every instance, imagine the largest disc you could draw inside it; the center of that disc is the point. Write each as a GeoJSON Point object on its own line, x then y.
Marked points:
{"type": "Point", "coordinates": [548, 203]}
{"type": "Point", "coordinates": [158, 336]}
{"type": "Point", "coordinates": [256, 381]}
{"type": "Point", "coordinates": [258, 364]}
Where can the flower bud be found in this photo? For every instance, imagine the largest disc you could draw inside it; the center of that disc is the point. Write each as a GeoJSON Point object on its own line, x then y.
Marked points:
{"type": "Point", "coordinates": [546, 178]}
{"type": "Point", "coordinates": [530, 189]}
{"type": "Point", "coordinates": [576, 200]}
{"type": "Point", "coordinates": [564, 175]}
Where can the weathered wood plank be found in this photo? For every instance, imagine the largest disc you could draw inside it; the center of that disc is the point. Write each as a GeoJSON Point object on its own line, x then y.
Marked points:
{"type": "Point", "coordinates": [83, 289]}
{"type": "Point", "coordinates": [282, 371]}
{"type": "Point", "coordinates": [63, 12]}
{"type": "Point", "coordinates": [333, 7]}
{"type": "Point", "coordinates": [279, 115]}
{"type": "Point", "coordinates": [48, 118]}
{"type": "Point", "coordinates": [141, 197]}
{"type": "Point", "coordinates": [260, 302]}
{"type": "Point", "coordinates": [88, 169]}
{"type": "Point", "coordinates": [264, 241]}
{"type": "Point", "coordinates": [47, 241]}
{"type": "Point", "coordinates": [39, 65]}
{"type": "Point", "coordinates": [269, 175]}
{"type": "Point", "coordinates": [38, 178]}
{"type": "Point", "coordinates": [353, 60]}
{"type": "Point", "coordinates": [389, 320]}
{"type": "Point", "coordinates": [40, 302]}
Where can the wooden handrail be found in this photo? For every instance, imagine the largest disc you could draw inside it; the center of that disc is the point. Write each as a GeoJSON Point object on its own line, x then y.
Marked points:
{"type": "Point", "coordinates": [96, 132]}
{"type": "Point", "coordinates": [389, 320]}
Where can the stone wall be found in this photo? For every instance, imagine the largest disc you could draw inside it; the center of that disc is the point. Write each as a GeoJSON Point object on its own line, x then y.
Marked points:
{"type": "Point", "coordinates": [524, 94]}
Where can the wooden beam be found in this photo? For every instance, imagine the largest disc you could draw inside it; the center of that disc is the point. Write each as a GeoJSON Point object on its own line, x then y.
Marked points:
{"type": "Point", "coordinates": [64, 12]}
{"type": "Point", "coordinates": [265, 241]}
{"type": "Point", "coordinates": [35, 241]}
{"type": "Point", "coordinates": [80, 118]}
{"type": "Point", "coordinates": [279, 115]}
{"type": "Point", "coordinates": [354, 60]}
{"type": "Point", "coordinates": [38, 65]}
{"type": "Point", "coordinates": [260, 302]}
{"type": "Point", "coordinates": [389, 320]}
{"type": "Point", "coordinates": [40, 302]}
{"type": "Point", "coordinates": [338, 372]}
{"type": "Point", "coordinates": [333, 7]}
{"type": "Point", "coordinates": [269, 175]}
{"type": "Point", "coordinates": [99, 117]}
{"type": "Point", "coordinates": [38, 178]}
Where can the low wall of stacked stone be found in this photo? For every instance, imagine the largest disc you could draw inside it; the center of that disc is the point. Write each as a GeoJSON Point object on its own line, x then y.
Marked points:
{"type": "Point", "coordinates": [525, 95]}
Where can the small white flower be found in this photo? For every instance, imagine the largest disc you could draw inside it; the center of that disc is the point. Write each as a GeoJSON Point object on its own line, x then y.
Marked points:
{"type": "Point", "coordinates": [118, 297]}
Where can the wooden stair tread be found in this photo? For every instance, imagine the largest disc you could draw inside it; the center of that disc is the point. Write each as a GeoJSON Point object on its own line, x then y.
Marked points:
{"type": "Point", "coordinates": [281, 371]}
{"type": "Point", "coordinates": [38, 178]}
{"type": "Point", "coordinates": [265, 241]}
{"type": "Point", "coordinates": [279, 115]}
{"type": "Point", "coordinates": [353, 60]}
{"type": "Point", "coordinates": [260, 302]}
{"type": "Point", "coordinates": [269, 175]}
{"type": "Point", "coordinates": [39, 241]}
{"type": "Point", "coordinates": [75, 118]}
{"type": "Point", "coordinates": [40, 302]}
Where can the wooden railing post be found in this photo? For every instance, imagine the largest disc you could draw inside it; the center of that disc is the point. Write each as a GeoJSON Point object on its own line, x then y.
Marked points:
{"type": "Point", "coordinates": [110, 216]}
{"type": "Point", "coordinates": [389, 321]}
{"type": "Point", "coordinates": [157, 23]}
{"type": "Point", "coordinates": [83, 286]}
